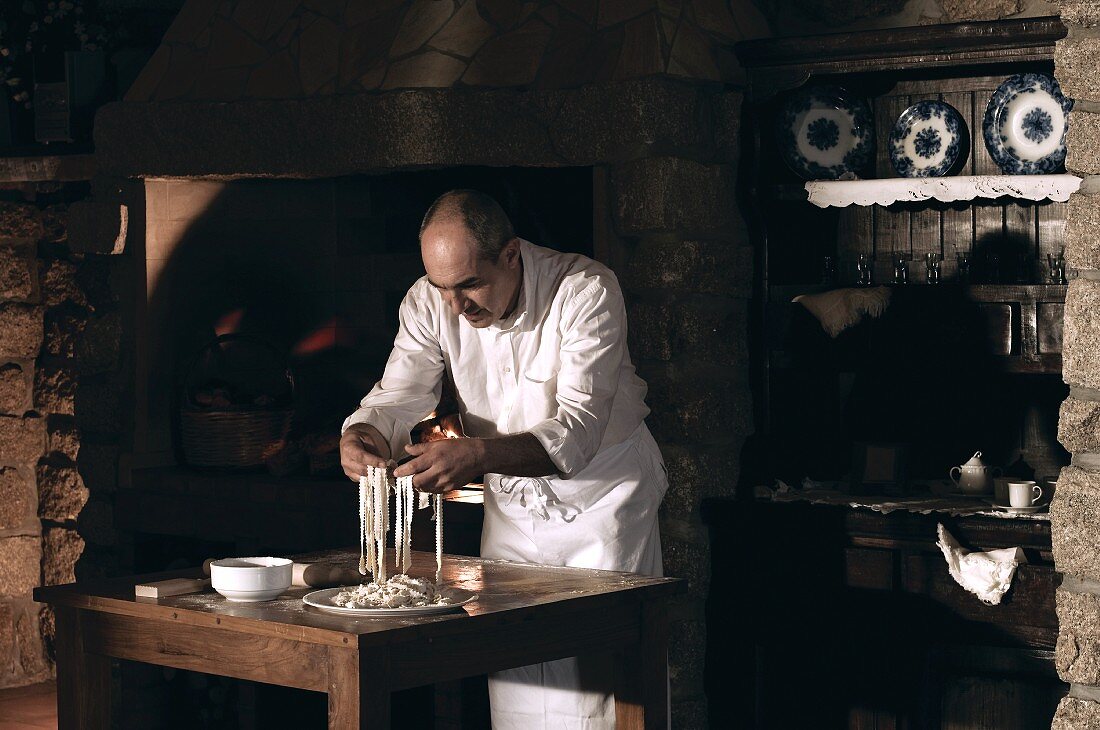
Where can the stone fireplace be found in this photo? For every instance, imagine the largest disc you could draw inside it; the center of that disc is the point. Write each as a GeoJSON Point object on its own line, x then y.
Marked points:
{"type": "Point", "coordinates": [266, 169]}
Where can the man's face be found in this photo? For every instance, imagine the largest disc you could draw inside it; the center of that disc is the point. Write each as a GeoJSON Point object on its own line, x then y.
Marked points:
{"type": "Point", "coordinates": [480, 291]}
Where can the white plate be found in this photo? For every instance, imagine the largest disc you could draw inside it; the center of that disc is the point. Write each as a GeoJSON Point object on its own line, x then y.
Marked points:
{"type": "Point", "coordinates": [322, 599]}
{"type": "Point", "coordinates": [1025, 125]}
{"type": "Point", "coordinates": [927, 139]}
{"type": "Point", "coordinates": [824, 132]}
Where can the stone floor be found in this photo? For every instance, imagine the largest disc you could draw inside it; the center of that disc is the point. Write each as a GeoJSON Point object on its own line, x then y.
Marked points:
{"type": "Point", "coordinates": [23, 708]}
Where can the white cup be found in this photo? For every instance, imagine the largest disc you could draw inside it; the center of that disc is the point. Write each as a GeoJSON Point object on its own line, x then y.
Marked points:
{"type": "Point", "coordinates": [1024, 493]}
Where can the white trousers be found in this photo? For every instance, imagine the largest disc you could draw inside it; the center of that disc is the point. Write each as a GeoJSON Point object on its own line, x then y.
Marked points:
{"type": "Point", "coordinates": [618, 531]}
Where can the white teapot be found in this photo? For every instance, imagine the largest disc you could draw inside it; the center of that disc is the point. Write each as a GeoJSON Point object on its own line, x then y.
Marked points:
{"type": "Point", "coordinates": [974, 476]}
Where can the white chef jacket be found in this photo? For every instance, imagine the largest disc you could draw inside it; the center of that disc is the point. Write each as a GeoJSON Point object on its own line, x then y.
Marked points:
{"type": "Point", "coordinates": [557, 368]}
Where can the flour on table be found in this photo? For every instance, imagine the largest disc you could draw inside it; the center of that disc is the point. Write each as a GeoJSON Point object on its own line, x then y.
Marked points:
{"type": "Point", "coordinates": [397, 592]}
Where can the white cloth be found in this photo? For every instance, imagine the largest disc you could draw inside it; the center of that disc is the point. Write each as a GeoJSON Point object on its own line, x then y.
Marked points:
{"type": "Point", "coordinates": [987, 575]}
{"type": "Point", "coordinates": [558, 368]}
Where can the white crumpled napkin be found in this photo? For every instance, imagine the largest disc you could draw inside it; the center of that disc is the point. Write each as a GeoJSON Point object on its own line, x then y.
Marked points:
{"type": "Point", "coordinates": [987, 575]}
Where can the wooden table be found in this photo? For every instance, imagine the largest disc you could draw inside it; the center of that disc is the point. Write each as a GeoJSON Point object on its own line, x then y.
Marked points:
{"type": "Point", "coordinates": [524, 614]}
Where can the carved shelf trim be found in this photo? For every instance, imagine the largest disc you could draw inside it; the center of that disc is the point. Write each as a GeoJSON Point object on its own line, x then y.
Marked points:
{"type": "Point", "coordinates": [842, 193]}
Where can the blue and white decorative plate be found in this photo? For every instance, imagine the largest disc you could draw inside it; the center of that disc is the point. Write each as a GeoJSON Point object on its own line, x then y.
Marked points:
{"type": "Point", "coordinates": [1025, 125]}
{"type": "Point", "coordinates": [927, 139]}
{"type": "Point", "coordinates": [823, 132]}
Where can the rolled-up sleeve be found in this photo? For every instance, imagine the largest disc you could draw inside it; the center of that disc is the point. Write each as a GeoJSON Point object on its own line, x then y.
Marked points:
{"type": "Point", "coordinates": [593, 326]}
{"type": "Point", "coordinates": [412, 382]}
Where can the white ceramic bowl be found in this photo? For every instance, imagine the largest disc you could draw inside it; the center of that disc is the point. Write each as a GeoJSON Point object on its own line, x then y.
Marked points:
{"type": "Point", "coordinates": [251, 579]}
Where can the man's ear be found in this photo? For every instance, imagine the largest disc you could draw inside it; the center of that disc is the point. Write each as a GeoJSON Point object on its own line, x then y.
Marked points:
{"type": "Point", "coordinates": [510, 253]}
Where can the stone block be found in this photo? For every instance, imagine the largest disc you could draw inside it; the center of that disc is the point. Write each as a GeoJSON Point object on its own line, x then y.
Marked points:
{"type": "Point", "coordinates": [19, 222]}
{"type": "Point", "coordinates": [99, 407]}
{"type": "Point", "coordinates": [98, 348]}
{"type": "Point", "coordinates": [1075, 522]}
{"type": "Point", "coordinates": [1077, 655]}
{"type": "Point", "coordinates": [955, 11]}
{"type": "Point", "coordinates": [673, 194]}
{"type": "Point", "coordinates": [59, 283]}
{"type": "Point", "coordinates": [21, 439]}
{"type": "Point", "coordinates": [1076, 58]}
{"type": "Point", "coordinates": [713, 333]}
{"type": "Point", "coordinates": [55, 223]}
{"type": "Point", "coordinates": [61, 492]}
{"type": "Point", "coordinates": [697, 406]}
{"type": "Point", "coordinates": [19, 565]}
{"type": "Point", "coordinates": [1083, 143]}
{"type": "Point", "coordinates": [7, 633]}
{"type": "Point", "coordinates": [1079, 425]}
{"type": "Point", "coordinates": [55, 389]}
{"type": "Point", "coordinates": [1083, 231]}
{"type": "Point", "coordinates": [16, 387]}
{"type": "Point", "coordinates": [18, 273]}
{"type": "Point", "coordinates": [62, 437]}
{"type": "Point", "coordinates": [32, 653]}
{"type": "Point", "coordinates": [695, 473]}
{"type": "Point", "coordinates": [689, 561]}
{"type": "Point", "coordinates": [727, 125]}
{"type": "Point", "coordinates": [1075, 714]}
{"type": "Point", "coordinates": [710, 267]}
{"type": "Point", "coordinates": [47, 627]}
{"type": "Point", "coordinates": [1079, 12]}
{"type": "Point", "coordinates": [1081, 334]}
{"type": "Point", "coordinates": [22, 328]}
{"type": "Point", "coordinates": [605, 123]}
{"type": "Point", "coordinates": [61, 549]}
{"type": "Point", "coordinates": [63, 328]}
{"type": "Point", "coordinates": [18, 499]}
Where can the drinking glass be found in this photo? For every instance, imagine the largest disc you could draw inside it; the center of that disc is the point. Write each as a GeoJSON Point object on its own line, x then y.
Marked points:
{"type": "Point", "coordinates": [865, 265]}
{"type": "Point", "coordinates": [932, 263]}
{"type": "Point", "coordinates": [901, 268]}
{"type": "Point", "coordinates": [1056, 264]}
{"type": "Point", "coordinates": [828, 270]}
{"type": "Point", "coordinates": [963, 262]}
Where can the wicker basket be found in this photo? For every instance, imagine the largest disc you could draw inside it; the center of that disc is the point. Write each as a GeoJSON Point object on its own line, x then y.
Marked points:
{"type": "Point", "coordinates": [238, 436]}
{"type": "Point", "coordinates": [233, 438]}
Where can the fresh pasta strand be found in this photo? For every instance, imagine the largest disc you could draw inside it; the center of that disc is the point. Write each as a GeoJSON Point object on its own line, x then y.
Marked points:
{"type": "Point", "coordinates": [438, 538]}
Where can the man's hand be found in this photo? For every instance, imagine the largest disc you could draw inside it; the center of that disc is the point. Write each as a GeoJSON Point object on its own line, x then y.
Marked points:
{"type": "Point", "coordinates": [362, 445]}
{"type": "Point", "coordinates": [440, 466]}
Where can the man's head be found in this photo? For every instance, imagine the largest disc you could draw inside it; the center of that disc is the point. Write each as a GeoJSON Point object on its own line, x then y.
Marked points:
{"type": "Point", "coordinates": [471, 255]}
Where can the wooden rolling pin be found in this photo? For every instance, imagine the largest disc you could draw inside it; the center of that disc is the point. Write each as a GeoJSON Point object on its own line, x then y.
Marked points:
{"type": "Point", "coordinates": [315, 575]}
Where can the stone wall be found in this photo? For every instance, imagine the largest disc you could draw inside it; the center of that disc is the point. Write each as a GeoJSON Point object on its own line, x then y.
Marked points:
{"type": "Point", "coordinates": [809, 17]}
{"type": "Point", "coordinates": [56, 333]}
{"type": "Point", "coordinates": [1075, 512]}
{"type": "Point", "coordinates": [60, 341]}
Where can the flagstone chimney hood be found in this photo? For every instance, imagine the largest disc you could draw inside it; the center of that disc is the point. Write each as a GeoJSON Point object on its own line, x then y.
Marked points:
{"type": "Point", "coordinates": [320, 88]}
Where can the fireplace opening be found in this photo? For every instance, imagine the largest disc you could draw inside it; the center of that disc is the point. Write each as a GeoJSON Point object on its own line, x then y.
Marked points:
{"type": "Point", "coordinates": [308, 275]}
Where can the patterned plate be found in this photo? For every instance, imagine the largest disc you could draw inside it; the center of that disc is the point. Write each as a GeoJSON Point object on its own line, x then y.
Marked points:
{"type": "Point", "coordinates": [823, 132]}
{"type": "Point", "coordinates": [1025, 125]}
{"type": "Point", "coordinates": [927, 139]}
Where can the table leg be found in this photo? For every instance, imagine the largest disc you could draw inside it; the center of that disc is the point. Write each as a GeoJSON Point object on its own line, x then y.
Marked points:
{"type": "Point", "coordinates": [641, 688]}
{"type": "Point", "coordinates": [83, 680]}
{"type": "Point", "coordinates": [358, 695]}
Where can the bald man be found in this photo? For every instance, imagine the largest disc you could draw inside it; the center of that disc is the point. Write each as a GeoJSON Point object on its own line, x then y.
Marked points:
{"type": "Point", "coordinates": [535, 342]}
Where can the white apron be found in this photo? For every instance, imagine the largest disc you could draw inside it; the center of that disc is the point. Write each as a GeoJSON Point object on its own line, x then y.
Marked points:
{"type": "Point", "coordinates": [612, 511]}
